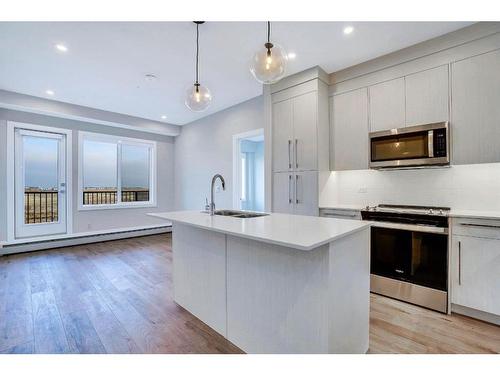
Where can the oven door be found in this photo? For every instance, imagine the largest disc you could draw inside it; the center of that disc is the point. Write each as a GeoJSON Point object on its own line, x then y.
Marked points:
{"type": "Point", "coordinates": [417, 257]}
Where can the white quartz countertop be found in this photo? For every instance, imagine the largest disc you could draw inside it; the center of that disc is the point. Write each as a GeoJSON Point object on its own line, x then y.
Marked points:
{"type": "Point", "coordinates": [475, 214]}
{"type": "Point", "coordinates": [296, 231]}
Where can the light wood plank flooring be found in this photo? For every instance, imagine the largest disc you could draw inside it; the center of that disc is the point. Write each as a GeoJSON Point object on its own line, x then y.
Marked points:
{"type": "Point", "coordinates": [116, 297]}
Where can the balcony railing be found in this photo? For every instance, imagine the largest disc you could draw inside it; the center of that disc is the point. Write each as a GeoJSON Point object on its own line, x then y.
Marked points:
{"type": "Point", "coordinates": [40, 207]}
{"type": "Point", "coordinates": [97, 197]}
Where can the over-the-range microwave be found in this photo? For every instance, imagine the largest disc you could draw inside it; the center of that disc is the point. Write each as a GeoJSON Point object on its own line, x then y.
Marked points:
{"type": "Point", "coordinates": [411, 147]}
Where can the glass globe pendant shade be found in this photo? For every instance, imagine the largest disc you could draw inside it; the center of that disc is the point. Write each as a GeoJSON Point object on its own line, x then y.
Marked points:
{"type": "Point", "coordinates": [268, 65]}
{"type": "Point", "coordinates": [198, 98]}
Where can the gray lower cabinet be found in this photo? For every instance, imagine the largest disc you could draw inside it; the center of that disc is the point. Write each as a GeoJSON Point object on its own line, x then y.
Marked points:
{"type": "Point", "coordinates": [387, 105]}
{"type": "Point", "coordinates": [475, 109]}
{"type": "Point", "coordinates": [349, 130]}
{"type": "Point", "coordinates": [475, 273]}
{"type": "Point", "coordinates": [427, 96]}
{"type": "Point", "coordinates": [295, 193]}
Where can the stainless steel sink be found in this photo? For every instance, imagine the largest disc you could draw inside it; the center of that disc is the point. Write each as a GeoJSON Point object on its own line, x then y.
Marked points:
{"type": "Point", "coordinates": [239, 214]}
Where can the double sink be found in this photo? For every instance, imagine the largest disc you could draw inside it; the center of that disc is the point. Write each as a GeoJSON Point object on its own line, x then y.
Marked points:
{"type": "Point", "coordinates": [239, 214]}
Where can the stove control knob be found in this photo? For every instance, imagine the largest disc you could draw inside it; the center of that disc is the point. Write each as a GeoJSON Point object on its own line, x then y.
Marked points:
{"type": "Point", "coordinates": [431, 211]}
{"type": "Point", "coordinates": [441, 212]}
{"type": "Point", "coordinates": [367, 208]}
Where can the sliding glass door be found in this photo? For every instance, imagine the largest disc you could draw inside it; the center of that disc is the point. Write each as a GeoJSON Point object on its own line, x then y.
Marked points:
{"type": "Point", "coordinates": [40, 183]}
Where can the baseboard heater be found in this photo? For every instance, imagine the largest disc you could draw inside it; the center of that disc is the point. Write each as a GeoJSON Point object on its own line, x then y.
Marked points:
{"type": "Point", "coordinates": [81, 239]}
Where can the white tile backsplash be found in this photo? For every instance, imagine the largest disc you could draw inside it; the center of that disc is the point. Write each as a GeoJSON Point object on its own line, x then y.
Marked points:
{"type": "Point", "coordinates": [468, 187]}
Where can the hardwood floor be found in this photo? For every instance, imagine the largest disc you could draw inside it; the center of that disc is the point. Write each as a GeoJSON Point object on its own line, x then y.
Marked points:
{"type": "Point", "coordinates": [116, 297]}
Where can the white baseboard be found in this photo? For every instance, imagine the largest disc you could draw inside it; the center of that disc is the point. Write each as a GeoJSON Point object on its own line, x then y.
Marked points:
{"type": "Point", "coordinates": [476, 314]}
{"type": "Point", "coordinates": [33, 244]}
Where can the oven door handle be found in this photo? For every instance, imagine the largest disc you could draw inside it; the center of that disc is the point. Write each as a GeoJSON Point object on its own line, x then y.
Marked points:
{"type": "Point", "coordinates": [411, 227]}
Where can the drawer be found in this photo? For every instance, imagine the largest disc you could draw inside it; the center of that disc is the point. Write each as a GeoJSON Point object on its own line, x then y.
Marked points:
{"type": "Point", "coordinates": [483, 228]}
{"type": "Point", "coordinates": [338, 213]}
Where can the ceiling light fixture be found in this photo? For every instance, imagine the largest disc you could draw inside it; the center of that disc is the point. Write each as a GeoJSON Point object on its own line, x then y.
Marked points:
{"type": "Point", "coordinates": [163, 117]}
{"type": "Point", "coordinates": [198, 97]}
{"type": "Point", "coordinates": [61, 47]}
{"type": "Point", "coordinates": [268, 65]}
{"type": "Point", "coordinates": [291, 56]}
{"type": "Point", "coordinates": [348, 30]}
{"type": "Point", "coordinates": [49, 92]}
{"type": "Point", "coordinates": [150, 77]}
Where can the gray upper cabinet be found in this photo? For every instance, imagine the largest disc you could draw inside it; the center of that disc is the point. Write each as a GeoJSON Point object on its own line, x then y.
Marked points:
{"type": "Point", "coordinates": [387, 105]}
{"type": "Point", "coordinates": [349, 130]}
{"type": "Point", "coordinates": [427, 96]}
{"type": "Point", "coordinates": [305, 141]}
{"type": "Point", "coordinates": [282, 136]}
{"type": "Point", "coordinates": [475, 109]}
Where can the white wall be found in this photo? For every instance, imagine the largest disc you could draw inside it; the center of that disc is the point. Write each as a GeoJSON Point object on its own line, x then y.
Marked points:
{"type": "Point", "coordinates": [474, 187]}
{"type": "Point", "coordinates": [84, 221]}
{"type": "Point", "coordinates": [205, 147]}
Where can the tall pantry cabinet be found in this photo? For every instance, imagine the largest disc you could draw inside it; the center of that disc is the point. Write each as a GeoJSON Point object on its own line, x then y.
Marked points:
{"type": "Point", "coordinates": [300, 141]}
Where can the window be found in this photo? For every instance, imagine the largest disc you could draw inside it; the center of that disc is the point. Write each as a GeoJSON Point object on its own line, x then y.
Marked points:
{"type": "Point", "coordinates": [116, 172]}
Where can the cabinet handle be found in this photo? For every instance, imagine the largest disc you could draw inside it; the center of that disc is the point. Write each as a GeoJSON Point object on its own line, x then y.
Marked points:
{"type": "Point", "coordinates": [289, 156]}
{"type": "Point", "coordinates": [296, 153]}
{"type": "Point", "coordinates": [296, 191]}
{"type": "Point", "coordinates": [342, 215]}
{"type": "Point", "coordinates": [480, 225]}
{"type": "Point", "coordinates": [289, 189]}
{"type": "Point", "coordinates": [459, 263]}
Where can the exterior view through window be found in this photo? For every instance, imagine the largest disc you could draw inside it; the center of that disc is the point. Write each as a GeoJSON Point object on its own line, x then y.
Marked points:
{"type": "Point", "coordinates": [116, 171]}
{"type": "Point", "coordinates": [40, 180]}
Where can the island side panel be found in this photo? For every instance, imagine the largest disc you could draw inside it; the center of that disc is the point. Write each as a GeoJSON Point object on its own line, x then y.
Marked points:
{"type": "Point", "coordinates": [276, 297]}
{"type": "Point", "coordinates": [350, 293]}
{"type": "Point", "coordinates": [199, 274]}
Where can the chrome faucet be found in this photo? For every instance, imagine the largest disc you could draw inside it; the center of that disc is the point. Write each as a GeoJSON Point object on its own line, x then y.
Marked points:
{"type": "Point", "coordinates": [212, 203]}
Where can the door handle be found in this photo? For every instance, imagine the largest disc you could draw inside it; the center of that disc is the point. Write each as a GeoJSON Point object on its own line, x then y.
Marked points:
{"type": "Point", "coordinates": [459, 263]}
{"type": "Point", "coordinates": [296, 191]}
{"type": "Point", "coordinates": [296, 153]}
{"type": "Point", "coordinates": [289, 189]}
{"type": "Point", "coordinates": [399, 271]}
{"type": "Point", "coordinates": [289, 156]}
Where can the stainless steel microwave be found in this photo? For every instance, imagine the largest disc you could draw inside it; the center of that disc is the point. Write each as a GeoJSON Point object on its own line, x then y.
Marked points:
{"type": "Point", "coordinates": [410, 147]}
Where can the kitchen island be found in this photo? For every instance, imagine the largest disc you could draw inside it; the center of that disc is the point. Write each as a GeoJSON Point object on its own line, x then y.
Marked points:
{"type": "Point", "coordinates": [277, 283]}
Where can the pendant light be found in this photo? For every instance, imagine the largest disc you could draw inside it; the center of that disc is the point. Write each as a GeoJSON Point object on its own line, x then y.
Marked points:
{"type": "Point", "coordinates": [269, 64]}
{"type": "Point", "coordinates": [198, 97]}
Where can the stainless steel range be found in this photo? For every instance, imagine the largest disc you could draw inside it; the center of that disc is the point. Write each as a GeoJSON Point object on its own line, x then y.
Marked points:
{"type": "Point", "coordinates": [409, 253]}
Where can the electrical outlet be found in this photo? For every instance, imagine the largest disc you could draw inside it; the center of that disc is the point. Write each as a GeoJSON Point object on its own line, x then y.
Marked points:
{"type": "Point", "coordinates": [362, 190]}
{"type": "Point", "coordinates": [89, 226]}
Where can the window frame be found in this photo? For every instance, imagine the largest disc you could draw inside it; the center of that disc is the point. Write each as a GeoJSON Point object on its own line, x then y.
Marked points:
{"type": "Point", "coordinates": [118, 140]}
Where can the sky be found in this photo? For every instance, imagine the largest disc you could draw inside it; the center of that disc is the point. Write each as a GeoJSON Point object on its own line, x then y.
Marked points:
{"type": "Point", "coordinates": [100, 167]}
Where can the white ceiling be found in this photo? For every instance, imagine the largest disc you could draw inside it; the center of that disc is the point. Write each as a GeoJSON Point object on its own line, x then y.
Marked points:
{"type": "Point", "coordinates": [106, 62]}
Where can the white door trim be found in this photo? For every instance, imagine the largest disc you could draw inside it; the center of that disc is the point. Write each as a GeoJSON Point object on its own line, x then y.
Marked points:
{"type": "Point", "coordinates": [236, 162]}
{"type": "Point", "coordinates": [11, 126]}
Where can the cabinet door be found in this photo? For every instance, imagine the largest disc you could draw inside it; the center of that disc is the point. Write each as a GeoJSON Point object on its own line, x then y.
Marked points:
{"type": "Point", "coordinates": [387, 105]}
{"type": "Point", "coordinates": [349, 130]}
{"type": "Point", "coordinates": [306, 193]}
{"type": "Point", "coordinates": [475, 109]}
{"type": "Point", "coordinates": [427, 96]}
{"type": "Point", "coordinates": [282, 136]}
{"type": "Point", "coordinates": [476, 273]}
{"type": "Point", "coordinates": [305, 114]}
{"type": "Point", "coordinates": [283, 185]}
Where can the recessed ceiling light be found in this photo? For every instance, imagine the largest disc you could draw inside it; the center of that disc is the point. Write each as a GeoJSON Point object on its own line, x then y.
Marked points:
{"type": "Point", "coordinates": [150, 77]}
{"type": "Point", "coordinates": [292, 55]}
{"type": "Point", "coordinates": [61, 47]}
{"type": "Point", "coordinates": [348, 30]}
{"type": "Point", "coordinates": [49, 92]}
{"type": "Point", "coordinates": [163, 117]}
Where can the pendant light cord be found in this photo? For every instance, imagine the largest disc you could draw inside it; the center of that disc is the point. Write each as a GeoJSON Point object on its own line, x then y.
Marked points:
{"type": "Point", "coordinates": [197, 49]}
{"type": "Point", "coordinates": [269, 31]}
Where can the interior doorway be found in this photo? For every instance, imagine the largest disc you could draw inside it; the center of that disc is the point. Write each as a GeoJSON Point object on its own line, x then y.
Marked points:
{"type": "Point", "coordinates": [248, 170]}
